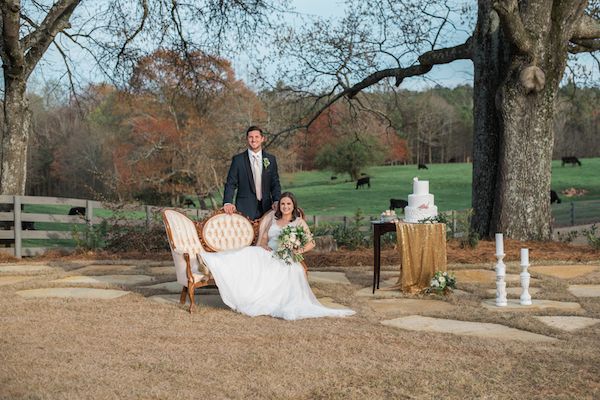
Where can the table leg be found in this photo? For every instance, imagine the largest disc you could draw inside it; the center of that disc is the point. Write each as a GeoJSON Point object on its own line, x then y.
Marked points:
{"type": "Point", "coordinates": [376, 257]}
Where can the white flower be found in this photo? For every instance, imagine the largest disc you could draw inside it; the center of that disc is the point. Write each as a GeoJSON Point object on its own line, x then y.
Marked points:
{"type": "Point", "coordinates": [442, 280]}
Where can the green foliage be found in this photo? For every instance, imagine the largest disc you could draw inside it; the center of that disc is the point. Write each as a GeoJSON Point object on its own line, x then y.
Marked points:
{"type": "Point", "coordinates": [92, 237]}
{"type": "Point", "coordinates": [592, 237]}
{"type": "Point", "coordinates": [349, 156]}
{"type": "Point", "coordinates": [350, 236]}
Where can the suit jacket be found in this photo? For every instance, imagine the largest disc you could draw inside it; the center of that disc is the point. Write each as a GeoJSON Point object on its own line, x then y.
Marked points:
{"type": "Point", "coordinates": [240, 177]}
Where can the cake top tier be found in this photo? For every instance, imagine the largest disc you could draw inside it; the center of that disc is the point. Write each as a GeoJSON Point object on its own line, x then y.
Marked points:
{"type": "Point", "coordinates": [420, 187]}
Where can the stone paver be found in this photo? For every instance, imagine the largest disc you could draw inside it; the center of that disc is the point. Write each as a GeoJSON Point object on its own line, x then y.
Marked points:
{"type": "Point", "coordinates": [568, 323]}
{"type": "Point", "coordinates": [484, 276]}
{"type": "Point", "coordinates": [162, 270]}
{"type": "Point", "coordinates": [9, 280]}
{"type": "Point", "coordinates": [408, 306]}
{"type": "Point", "coordinates": [479, 329]}
{"type": "Point", "coordinates": [329, 302]}
{"type": "Point", "coordinates": [585, 290]}
{"type": "Point", "coordinates": [327, 277]}
{"type": "Point", "coordinates": [25, 268]}
{"type": "Point", "coordinates": [211, 300]}
{"type": "Point", "coordinates": [538, 305]}
{"type": "Point", "coordinates": [111, 279]}
{"type": "Point", "coordinates": [100, 269]}
{"type": "Point", "coordinates": [564, 271]}
{"type": "Point", "coordinates": [368, 292]}
{"type": "Point", "coordinates": [515, 291]}
{"type": "Point", "coordinates": [80, 293]}
{"type": "Point", "coordinates": [172, 287]}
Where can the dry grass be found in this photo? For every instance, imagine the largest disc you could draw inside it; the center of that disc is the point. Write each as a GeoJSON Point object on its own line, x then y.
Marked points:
{"type": "Point", "coordinates": [134, 348]}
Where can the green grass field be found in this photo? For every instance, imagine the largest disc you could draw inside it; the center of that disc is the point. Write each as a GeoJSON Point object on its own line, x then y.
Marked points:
{"type": "Point", "coordinates": [450, 183]}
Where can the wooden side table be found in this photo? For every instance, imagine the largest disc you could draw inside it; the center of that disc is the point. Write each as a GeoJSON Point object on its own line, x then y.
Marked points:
{"type": "Point", "coordinates": [379, 228]}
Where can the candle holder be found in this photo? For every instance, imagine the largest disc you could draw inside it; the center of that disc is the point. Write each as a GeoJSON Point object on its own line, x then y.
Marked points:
{"type": "Point", "coordinates": [500, 283]}
{"type": "Point", "coordinates": [525, 277]}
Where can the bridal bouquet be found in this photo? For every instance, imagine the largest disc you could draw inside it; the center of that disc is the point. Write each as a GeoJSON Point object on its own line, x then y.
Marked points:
{"type": "Point", "coordinates": [442, 282]}
{"type": "Point", "coordinates": [291, 239]}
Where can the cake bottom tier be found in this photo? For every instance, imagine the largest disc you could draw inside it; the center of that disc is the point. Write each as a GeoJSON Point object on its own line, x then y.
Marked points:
{"type": "Point", "coordinates": [414, 214]}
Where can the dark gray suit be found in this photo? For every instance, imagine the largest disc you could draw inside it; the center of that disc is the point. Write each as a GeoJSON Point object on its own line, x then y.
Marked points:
{"type": "Point", "coordinates": [240, 177]}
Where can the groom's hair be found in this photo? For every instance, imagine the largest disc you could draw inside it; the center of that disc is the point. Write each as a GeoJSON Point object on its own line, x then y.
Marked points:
{"type": "Point", "coordinates": [254, 128]}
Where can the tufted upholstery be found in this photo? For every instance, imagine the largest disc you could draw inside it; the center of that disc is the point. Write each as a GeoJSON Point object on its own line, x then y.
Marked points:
{"type": "Point", "coordinates": [183, 238]}
{"type": "Point", "coordinates": [227, 232]}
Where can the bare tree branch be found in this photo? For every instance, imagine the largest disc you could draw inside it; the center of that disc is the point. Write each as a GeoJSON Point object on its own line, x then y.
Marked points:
{"type": "Point", "coordinates": [56, 21]}
{"type": "Point", "coordinates": [584, 46]}
{"type": "Point", "coordinates": [588, 28]}
{"type": "Point", "coordinates": [508, 11]}
{"type": "Point", "coordinates": [129, 38]}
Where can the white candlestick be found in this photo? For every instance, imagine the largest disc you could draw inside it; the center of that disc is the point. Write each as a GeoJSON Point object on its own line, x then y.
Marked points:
{"type": "Point", "coordinates": [499, 244]}
{"type": "Point", "coordinates": [525, 296]}
{"type": "Point", "coordinates": [524, 256]}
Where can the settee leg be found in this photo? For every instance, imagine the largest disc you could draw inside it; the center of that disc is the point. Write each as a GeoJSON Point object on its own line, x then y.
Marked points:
{"type": "Point", "coordinates": [183, 295]}
{"type": "Point", "coordinates": [191, 296]}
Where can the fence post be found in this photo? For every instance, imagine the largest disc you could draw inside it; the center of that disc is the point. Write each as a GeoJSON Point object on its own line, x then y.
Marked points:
{"type": "Point", "coordinates": [147, 209]}
{"type": "Point", "coordinates": [453, 223]}
{"type": "Point", "coordinates": [345, 222]}
{"type": "Point", "coordinates": [572, 213]}
{"type": "Point", "coordinates": [17, 226]}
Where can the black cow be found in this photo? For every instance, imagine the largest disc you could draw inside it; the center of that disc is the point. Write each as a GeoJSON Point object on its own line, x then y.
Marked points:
{"type": "Point", "coordinates": [363, 181]}
{"type": "Point", "coordinates": [363, 174]}
{"type": "Point", "coordinates": [570, 160]}
{"type": "Point", "coordinates": [333, 178]}
{"type": "Point", "coordinates": [398, 203]}
{"type": "Point", "coordinates": [554, 197]}
{"type": "Point", "coordinates": [422, 166]}
{"type": "Point", "coordinates": [77, 211]}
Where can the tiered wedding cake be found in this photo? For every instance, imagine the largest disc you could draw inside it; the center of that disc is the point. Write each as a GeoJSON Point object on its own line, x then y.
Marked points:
{"type": "Point", "coordinates": [420, 203]}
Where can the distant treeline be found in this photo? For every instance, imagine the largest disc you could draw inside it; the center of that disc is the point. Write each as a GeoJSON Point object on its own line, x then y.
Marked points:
{"type": "Point", "coordinates": [164, 137]}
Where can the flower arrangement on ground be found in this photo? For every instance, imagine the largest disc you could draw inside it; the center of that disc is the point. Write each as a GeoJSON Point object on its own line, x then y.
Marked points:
{"type": "Point", "coordinates": [442, 282]}
{"type": "Point", "coordinates": [291, 240]}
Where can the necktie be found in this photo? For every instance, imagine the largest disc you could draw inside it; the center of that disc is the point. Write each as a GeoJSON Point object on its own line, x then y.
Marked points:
{"type": "Point", "coordinates": [257, 172]}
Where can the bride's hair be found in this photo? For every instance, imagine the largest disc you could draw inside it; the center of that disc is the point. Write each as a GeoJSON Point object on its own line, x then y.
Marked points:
{"type": "Point", "coordinates": [295, 211]}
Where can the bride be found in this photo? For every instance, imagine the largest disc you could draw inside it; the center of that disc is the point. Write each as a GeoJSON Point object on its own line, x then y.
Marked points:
{"type": "Point", "coordinates": [252, 281]}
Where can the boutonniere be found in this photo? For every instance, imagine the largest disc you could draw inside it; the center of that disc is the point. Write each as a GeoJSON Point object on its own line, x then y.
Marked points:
{"type": "Point", "coordinates": [266, 162]}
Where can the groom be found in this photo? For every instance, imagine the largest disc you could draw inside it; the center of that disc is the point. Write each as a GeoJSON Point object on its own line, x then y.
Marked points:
{"type": "Point", "coordinates": [254, 174]}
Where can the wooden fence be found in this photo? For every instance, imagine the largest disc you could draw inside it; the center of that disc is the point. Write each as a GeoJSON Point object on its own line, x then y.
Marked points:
{"type": "Point", "coordinates": [57, 226]}
{"type": "Point", "coordinates": [15, 222]}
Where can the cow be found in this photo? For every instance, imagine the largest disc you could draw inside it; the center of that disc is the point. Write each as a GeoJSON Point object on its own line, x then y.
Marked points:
{"type": "Point", "coordinates": [363, 181]}
{"type": "Point", "coordinates": [554, 197]}
{"type": "Point", "coordinates": [422, 166]}
{"type": "Point", "coordinates": [333, 178]}
{"type": "Point", "coordinates": [570, 160]}
{"type": "Point", "coordinates": [398, 203]}
{"type": "Point", "coordinates": [77, 211]}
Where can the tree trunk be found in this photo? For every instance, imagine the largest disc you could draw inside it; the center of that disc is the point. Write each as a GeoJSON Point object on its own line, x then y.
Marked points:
{"type": "Point", "coordinates": [15, 137]}
{"type": "Point", "coordinates": [512, 150]}
{"type": "Point", "coordinates": [488, 62]}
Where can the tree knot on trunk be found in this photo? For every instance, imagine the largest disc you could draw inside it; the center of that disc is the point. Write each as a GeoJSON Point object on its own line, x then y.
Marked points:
{"type": "Point", "coordinates": [533, 79]}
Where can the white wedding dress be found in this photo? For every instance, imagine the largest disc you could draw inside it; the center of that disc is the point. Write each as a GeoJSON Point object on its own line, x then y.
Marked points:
{"type": "Point", "coordinates": [252, 281]}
